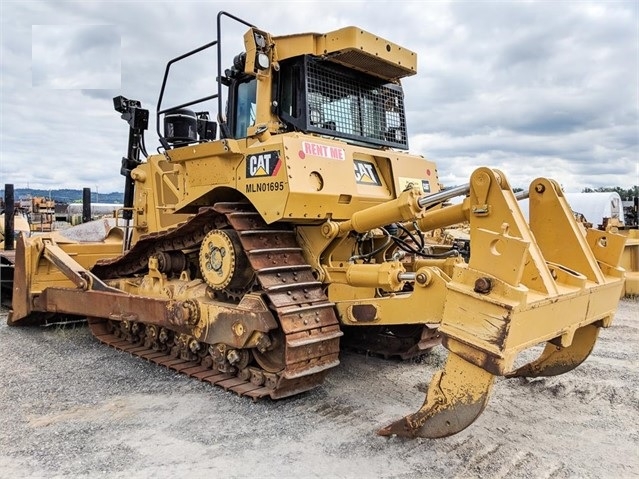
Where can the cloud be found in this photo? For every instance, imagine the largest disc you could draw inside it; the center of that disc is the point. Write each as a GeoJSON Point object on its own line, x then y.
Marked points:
{"type": "Point", "coordinates": [533, 88]}
{"type": "Point", "coordinates": [76, 56]}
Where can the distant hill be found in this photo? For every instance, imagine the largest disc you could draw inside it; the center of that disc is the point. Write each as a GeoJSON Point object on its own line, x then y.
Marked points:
{"type": "Point", "coordinates": [66, 195]}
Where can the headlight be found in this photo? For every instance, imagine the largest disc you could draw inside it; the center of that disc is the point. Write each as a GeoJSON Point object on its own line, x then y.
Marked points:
{"type": "Point", "coordinates": [262, 61]}
{"type": "Point", "coordinates": [316, 117]}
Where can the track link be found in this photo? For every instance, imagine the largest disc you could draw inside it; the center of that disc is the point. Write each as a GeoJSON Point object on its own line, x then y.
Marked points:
{"type": "Point", "coordinates": [194, 369]}
{"type": "Point", "coordinates": [400, 342]}
{"type": "Point", "coordinates": [308, 322]}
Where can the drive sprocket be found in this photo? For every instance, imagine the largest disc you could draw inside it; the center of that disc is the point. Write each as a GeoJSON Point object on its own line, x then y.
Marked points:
{"type": "Point", "coordinates": [223, 263]}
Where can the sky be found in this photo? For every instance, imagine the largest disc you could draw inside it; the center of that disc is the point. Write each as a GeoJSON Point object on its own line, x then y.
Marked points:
{"type": "Point", "coordinates": [529, 87]}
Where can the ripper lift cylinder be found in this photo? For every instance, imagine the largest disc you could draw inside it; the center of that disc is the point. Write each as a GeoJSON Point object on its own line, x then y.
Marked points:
{"type": "Point", "coordinates": [408, 206]}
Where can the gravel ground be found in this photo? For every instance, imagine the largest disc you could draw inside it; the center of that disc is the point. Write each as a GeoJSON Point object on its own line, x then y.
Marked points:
{"type": "Point", "coordinates": [71, 407]}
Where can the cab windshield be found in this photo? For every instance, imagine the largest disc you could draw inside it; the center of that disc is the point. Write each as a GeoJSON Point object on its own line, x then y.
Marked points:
{"type": "Point", "coordinates": [245, 104]}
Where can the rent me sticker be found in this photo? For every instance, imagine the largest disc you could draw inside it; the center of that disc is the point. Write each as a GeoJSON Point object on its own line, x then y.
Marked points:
{"type": "Point", "coordinates": [323, 151]}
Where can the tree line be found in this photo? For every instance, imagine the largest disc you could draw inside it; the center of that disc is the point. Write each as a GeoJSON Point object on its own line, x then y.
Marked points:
{"type": "Point", "coordinates": [626, 194]}
{"type": "Point", "coordinates": [65, 195]}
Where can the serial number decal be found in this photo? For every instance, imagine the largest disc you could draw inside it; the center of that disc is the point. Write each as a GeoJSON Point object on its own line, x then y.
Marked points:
{"type": "Point", "coordinates": [263, 164]}
{"type": "Point", "coordinates": [408, 183]}
{"type": "Point", "coordinates": [264, 186]}
{"type": "Point", "coordinates": [323, 151]}
{"type": "Point", "coordinates": [365, 173]}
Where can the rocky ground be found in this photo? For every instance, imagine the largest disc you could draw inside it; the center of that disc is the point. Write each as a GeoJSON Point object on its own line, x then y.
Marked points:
{"type": "Point", "coordinates": [70, 406]}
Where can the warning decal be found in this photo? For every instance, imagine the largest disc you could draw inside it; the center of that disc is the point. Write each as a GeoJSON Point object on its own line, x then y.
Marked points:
{"type": "Point", "coordinates": [407, 183]}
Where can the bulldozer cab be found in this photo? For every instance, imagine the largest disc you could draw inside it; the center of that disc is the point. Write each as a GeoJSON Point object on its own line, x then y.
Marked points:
{"type": "Point", "coordinates": [344, 84]}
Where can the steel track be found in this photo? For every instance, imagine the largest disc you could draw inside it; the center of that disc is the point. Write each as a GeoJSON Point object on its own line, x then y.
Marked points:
{"type": "Point", "coordinates": [307, 319]}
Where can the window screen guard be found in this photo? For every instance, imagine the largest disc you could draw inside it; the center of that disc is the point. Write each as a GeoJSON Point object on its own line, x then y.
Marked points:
{"type": "Point", "coordinates": [341, 102]}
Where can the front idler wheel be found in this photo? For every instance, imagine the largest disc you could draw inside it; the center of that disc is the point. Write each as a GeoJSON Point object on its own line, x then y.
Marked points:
{"type": "Point", "coordinates": [273, 359]}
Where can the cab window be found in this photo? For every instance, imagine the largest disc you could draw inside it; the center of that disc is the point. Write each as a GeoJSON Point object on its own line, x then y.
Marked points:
{"type": "Point", "coordinates": [245, 106]}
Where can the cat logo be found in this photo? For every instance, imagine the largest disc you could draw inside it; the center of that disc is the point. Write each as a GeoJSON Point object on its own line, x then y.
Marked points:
{"type": "Point", "coordinates": [365, 173]}
{"type": "Point", "coordinates": [263, 164]}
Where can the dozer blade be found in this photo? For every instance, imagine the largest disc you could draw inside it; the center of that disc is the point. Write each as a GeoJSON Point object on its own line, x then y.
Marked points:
{"type": "Point", "coordinates": [456, 397]}
{"type": "Point", "coordinates": [556, 359]}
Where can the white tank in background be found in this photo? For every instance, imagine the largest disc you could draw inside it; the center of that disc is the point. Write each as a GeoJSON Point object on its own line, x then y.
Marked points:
{"type": "Point", "coordinates": [593, 206]}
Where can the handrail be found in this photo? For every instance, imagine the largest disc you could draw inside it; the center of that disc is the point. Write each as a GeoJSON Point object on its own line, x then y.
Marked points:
{"type": "Point", "coordinates": [216, 43]}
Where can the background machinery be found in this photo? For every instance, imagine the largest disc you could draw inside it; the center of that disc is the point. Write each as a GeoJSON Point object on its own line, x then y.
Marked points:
{"type": "Point", "coordinates": [246, 256]}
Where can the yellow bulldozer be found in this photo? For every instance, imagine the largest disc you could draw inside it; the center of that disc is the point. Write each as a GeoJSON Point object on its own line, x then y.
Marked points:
{"type": "Point", "coordinates": [294, 219]}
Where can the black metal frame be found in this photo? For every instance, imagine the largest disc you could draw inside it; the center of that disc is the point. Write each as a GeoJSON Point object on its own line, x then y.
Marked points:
{"type": "Point", "coordinates": [138, 120]}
